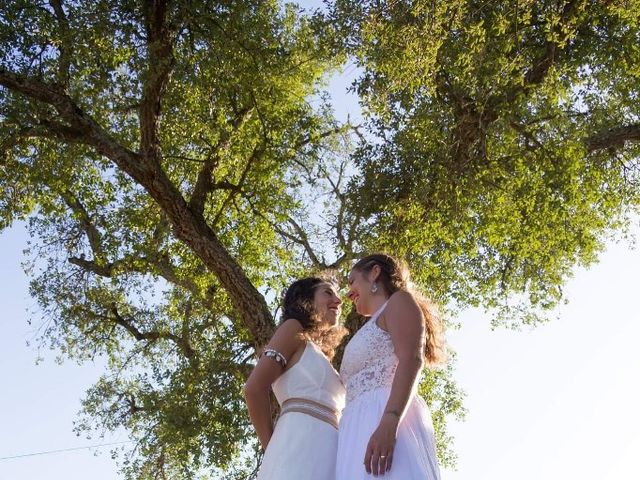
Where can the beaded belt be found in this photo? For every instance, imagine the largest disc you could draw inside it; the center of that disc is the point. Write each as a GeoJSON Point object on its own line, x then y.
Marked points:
{"type": "Point", "coordinates": [309, 407]}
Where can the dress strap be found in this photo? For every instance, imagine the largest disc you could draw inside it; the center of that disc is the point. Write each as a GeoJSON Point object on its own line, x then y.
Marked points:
{"type": "Point", "coordinates": [311, 407]}
{"type": "Point", "coordinates": [378, 312]}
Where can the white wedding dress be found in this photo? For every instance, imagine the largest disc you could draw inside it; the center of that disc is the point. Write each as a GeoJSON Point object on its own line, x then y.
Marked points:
{"type": "Point", "coordinates": [368, 367]}
{"type": "Point", "coordinates": [305, 439]}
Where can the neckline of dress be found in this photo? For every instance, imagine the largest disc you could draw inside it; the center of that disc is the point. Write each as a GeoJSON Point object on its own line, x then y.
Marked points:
{"type": "Point", "coordinates": [377, 313]}
{"type": "Point", "coordinates": [309, 345]}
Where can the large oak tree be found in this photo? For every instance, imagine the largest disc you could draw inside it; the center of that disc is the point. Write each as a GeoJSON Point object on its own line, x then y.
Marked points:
{"type": "Point", "coordinates": [178, 163]}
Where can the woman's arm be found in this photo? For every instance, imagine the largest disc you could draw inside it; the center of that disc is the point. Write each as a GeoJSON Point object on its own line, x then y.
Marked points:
{"type": "Point", "coordinates": [404, 322]}
{"type": "Point", "coordinates": [286, 341]}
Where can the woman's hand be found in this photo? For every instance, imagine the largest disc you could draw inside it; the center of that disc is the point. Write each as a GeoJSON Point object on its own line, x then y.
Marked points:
{"type": "Point", "coordinates": [379, 454]}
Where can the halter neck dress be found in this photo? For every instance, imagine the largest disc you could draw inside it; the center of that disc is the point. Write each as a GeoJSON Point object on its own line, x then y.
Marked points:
{"type": "Point", "coordinates": [368, 367]}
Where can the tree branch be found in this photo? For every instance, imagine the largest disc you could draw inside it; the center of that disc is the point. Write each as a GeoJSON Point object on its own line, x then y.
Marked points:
{"type": "Point", "coordinates": [93, 267]}
{"type": "Point", "coordinates": [613, 138]}
{"type": "Point", "coordinates": [66, 49]}
{"type": "Point", "coordinates": [61, 131]}
{"type": "Point", "coordinates": [80, 128]}
{"type": "Point", "coordinates": [152, 335]}
{"type": "Point", "coordinates": [237, 189]}
{"type": "Point", "coordinates": [335, 187]}
{"type": "Point", "coordinates": [204, 183]}
{"type": "Point", "coordinates": [159, 265]}
{"type": "Point", "coordinates": [526, 134]}
{"type": "Point", "coordinates": [203, 186]}
{"type": "Point", "coordinates": [92, 232]}
{"type": "Point", "coordinates": [552, 50]}
{"type": "Point", "coordinates": [159, 67]}
{"type": "Point", "coordinates": [302, 238]}
{"type": "Point", "coordinates": [334, 131]}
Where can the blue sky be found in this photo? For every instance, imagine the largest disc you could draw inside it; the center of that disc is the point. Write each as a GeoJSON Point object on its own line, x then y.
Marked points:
{"type": "Point", "coordinates": [560, 401]}
{"type": "Point", "coordinates": [38, 403]}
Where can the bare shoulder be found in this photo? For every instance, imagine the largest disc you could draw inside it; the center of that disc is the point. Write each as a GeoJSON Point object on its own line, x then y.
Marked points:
{"type": "Point", "coordinates": [403, 306]}
{"type": "Point", "coordinates": [290, 325]}
{"type": "Point", "coordinates": [402, 299]}
{"type": "Point", "coordinates": [287, 338]}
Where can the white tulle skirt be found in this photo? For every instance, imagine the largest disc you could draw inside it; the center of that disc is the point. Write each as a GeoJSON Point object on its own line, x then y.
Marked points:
{"type": "Point", "coordinates": [414, 456]}
{"type": "Point", "coordinates": [301, 448]}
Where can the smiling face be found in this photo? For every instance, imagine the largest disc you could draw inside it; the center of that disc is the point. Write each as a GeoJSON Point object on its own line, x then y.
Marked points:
{"type": "Point", "coordinates": [360, 284]}
{"type": "Point", "coordinates": [327, 303]}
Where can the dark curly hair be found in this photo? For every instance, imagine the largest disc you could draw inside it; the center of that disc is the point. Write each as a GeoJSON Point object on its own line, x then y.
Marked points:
{"type": "Point", "coordinates": [298, 304]}
{"type": "Point", "coordinates": [394, 276]}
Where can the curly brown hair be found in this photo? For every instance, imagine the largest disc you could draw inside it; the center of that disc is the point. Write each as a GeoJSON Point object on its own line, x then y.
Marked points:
{"type": "Point", "coordinates": [298, 304]}
{"type": "Point", "coordinates": [394, 276]}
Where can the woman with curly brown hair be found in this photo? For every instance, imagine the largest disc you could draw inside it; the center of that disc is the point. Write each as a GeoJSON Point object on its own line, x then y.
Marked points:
{"type": "Point", "coordinates": [386, 428]}
{"type": "Point", "coordinates": [295, 364]}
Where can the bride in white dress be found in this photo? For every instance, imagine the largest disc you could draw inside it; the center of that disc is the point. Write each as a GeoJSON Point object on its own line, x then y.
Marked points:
{"type": "Point", "coordinates": [386, 428]}
{"type": "Point", "coordinates": [295, 363]}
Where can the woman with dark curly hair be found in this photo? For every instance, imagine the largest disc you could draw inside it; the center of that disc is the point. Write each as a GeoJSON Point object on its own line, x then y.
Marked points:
{"type": "Point", "coordinates": [295, 364]}
{"type": "Point", "coordinates": [386, 427]}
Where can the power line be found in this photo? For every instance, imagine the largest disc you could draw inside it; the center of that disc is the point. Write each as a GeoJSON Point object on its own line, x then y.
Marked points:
{"type": "Point", "coordinates": [63, 450]}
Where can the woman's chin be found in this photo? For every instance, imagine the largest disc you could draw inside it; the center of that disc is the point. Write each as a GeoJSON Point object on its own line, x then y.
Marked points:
{"type": "Point", "coordinates": [331, 320]}
{"type": "Point", "coordinates": [361, 309]}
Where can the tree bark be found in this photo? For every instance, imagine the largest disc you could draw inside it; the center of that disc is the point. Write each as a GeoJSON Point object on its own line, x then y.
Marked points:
{"type": "Point", "coordinates": [614, 138]}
